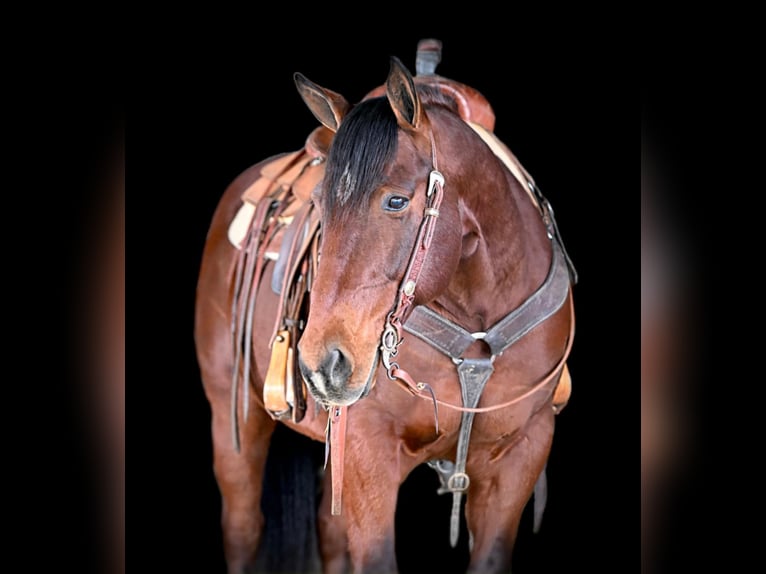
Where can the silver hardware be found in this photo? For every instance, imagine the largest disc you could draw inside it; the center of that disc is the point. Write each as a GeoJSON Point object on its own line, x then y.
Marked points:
{"type": "Point", "coordinates": [409, 288]}
{"type": "Point", "coordinates": [479, 335]}
{"type": "Point", "coordinates": [389, 347]}
{"type": "Point", "coordinates": [454, 478]}
{"type": "Point", "coordinates": [431, 211]}
{"type": "Point", "coordinates": [433, 178]}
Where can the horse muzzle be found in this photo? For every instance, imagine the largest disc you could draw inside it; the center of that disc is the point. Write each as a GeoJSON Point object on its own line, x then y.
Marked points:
{"type": "Point", "coordinates": [331, 381]}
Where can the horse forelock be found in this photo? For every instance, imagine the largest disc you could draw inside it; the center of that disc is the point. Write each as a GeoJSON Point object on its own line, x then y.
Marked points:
{"type": "Point", "coordinates": [363, 148]}
{"type": "Point", "coordinates": [364, 145]}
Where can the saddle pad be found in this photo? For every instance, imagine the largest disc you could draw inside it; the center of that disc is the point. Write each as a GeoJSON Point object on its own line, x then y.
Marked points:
{"type": "Point", "coordinates": [240, 224]}
{"type": "Point", "coordinates": [299, 171]}
{"type": "Point", "coordinates": [506, 156]}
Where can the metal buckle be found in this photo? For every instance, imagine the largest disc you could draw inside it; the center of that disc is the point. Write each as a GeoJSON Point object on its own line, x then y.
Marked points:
{"type": "Point", "coordinates": [452, 487]}
{"type": "Point", "coordinates": [433, 178]}
{"type": "Point", "coordinates": [546, 210]}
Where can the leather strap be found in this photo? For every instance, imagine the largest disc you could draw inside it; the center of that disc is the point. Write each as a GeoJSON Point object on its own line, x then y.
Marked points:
{"type": "Point", "coordinates": [295, 286]}
{"type": "Point", "coordinates": [452, 340]}
{"type": "Point", "coordinates": [281, 265]}
{"type": "Point", "coordinates": [405, 380]}
{"type": "Point", "coordinates": [473, 374]}
{"type": "Point", "coordinates": [391, 337]}
{"type": "Point", "coordinates": [245, 284]}
{"type": "Point", "coordinates": [337, 426]}
{"type": "Point", "coordinates": [421, 247]}
{"type": "Point", "coordinates": [307, 223]}
{"type": "Point", "coordinates": [543, 303]}
{"type": "Point", "coordinates": [268, 234]}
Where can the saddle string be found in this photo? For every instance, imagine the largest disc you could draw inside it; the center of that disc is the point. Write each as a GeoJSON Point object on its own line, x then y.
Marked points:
{"type": "Point", "coordinates": [238, 317]}
{"type": "Point", "coordinates": [238, 280]}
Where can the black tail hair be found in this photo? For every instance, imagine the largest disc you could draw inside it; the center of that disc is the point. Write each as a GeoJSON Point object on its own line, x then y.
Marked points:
{"type": "Point", "coordinates": [291, 495]}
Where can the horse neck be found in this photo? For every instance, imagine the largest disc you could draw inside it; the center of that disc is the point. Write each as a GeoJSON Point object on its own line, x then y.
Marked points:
{"type": "Point", "coordinates": [513, 253]}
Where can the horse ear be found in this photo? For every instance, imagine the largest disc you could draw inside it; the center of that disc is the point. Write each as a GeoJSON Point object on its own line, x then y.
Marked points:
{"type": "Point", "coordinates": [401, 94]}
{"type": "Point", "coordinates": [327, 106]}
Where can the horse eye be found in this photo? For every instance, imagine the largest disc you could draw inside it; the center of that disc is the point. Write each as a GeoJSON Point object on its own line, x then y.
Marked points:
{"type": "Point", "coordinates": [395, 203]}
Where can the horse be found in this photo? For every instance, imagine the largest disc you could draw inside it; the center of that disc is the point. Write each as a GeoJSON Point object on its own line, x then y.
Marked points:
{"type": "Point", "coordinates": [422, 229]}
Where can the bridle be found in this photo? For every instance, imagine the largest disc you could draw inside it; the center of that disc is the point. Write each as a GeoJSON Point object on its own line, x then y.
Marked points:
{"type": "Point", "coordinates": [392, 332]}
{"type": "Point", "coordinates": [392, 338]}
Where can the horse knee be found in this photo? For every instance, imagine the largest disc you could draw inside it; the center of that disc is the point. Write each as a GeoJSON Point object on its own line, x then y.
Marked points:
{"type": "Point", "coordinates": [495, 557]}
{"type": "Point", "coordinates": [333, 543]}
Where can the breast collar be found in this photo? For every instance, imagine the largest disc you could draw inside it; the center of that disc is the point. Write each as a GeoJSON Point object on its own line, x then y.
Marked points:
{"type": "Point", "coordinates": [453, 340]}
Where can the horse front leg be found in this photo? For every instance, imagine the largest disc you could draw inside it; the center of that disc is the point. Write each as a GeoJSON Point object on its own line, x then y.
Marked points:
{"type": "Point", "coordinates": [240, 480]}
{"type": "Point", "coordinates": [500, 489]}
{"type": "Point", "coordinates": [374, 470]}
{"type": "Point", "coordinates": [333, 535]}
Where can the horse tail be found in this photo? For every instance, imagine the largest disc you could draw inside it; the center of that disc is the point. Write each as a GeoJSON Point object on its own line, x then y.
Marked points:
{"type": "Point", "coordinates": [289, 503]}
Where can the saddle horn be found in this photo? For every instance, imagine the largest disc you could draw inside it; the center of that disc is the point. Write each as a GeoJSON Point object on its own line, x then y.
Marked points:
{"type": "Point", "coordinates": [428, 56]}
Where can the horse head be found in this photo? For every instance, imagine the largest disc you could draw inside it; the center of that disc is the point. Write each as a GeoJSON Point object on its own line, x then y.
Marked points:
{"type": "Point", "coordinates": [372, 203]}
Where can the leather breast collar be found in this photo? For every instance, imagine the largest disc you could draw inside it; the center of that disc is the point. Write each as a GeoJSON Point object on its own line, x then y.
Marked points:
{"type": "Point", "coordinates": [453, 340]}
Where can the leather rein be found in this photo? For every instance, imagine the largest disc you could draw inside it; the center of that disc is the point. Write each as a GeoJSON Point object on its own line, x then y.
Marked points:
{"type": "Point", "coordinates": [392, 336]}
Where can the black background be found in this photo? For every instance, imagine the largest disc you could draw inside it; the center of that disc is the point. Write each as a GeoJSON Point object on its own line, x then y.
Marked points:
{"type": "Point", "coordinates": [203, 112]}
{"type": "Point", "coordinates": [207, 97]}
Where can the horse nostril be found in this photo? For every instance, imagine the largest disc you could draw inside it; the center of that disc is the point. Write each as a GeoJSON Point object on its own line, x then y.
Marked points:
{"type": "Point", "coordinates": [334, 371]}
{"type": "Point", "coordinates": [305, 371]}
{"type": "Point", "coordinates": [336, 367]}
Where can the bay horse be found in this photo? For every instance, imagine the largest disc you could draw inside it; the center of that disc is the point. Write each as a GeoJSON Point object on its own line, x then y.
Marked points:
{"type": "Point", "coordinates": [421, 224]}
